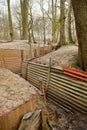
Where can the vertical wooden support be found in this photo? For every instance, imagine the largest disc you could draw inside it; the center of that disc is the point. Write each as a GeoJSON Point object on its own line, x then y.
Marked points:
{"type": "Point", "coordinates": [48, 78]}
{"type": "Point", "coordinates": [44, 110]}
{"type": "Point", "coordinates": [44, 119]}
{"type": "Point", "coordinates": [26, 70]}
{"type": "Point", "coordinates": [41, 85]}
{"type": "Point", "coordinates": [22, 56]}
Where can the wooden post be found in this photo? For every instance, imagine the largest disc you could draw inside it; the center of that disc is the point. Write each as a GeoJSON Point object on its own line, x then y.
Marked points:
{"type": "Point", "coordinates": [41, 86]}
{"type": "Point", "coordinates": [44, 110]}
{"type": "Point", "coordinates": [48, 78]}
{"type": "Point", "coordinates": [3, 61]}
{"type": "Point", "coordinates": [44, 119]}
{"type": "Point", "coordinates": [22, 58]}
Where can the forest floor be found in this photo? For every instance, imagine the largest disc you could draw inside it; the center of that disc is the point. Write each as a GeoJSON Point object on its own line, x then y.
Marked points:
{"type": "Point", "coordinates": [65, 56]}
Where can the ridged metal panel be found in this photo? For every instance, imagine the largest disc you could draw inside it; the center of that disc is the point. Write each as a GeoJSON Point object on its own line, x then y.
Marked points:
{"type": "Point", "coordinates": [68, 92]}
{"type": "Point", "coordinates": [35, 73]}
{"type": "Point", "coordinates": [63, 90]}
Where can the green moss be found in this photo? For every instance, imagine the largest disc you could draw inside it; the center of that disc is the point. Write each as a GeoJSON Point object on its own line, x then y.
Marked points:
{"type": "Point", "coordinates": [74, 64]}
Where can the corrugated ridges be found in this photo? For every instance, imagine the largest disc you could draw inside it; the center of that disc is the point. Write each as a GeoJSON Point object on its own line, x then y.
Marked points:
{"type": "Point", "coordinates": [63, 90]}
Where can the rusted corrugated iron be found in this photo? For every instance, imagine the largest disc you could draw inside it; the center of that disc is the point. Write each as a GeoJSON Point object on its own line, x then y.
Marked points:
{"type": "Point", "coordinates": [63, 90]}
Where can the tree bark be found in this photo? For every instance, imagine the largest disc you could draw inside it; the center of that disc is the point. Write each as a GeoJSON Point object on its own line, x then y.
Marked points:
{"type": "Point", "coordinates": [54, 21]}
{"type": "Point", "coordinates": [21, 2]}
{"type": "Point", "coordinates": [80, 13]}
{"type": "Point", "coordinates": [70, 23]}
{"type": "Point", "coordinates": [32, 31]}
{"type": "Point", "coordinates": [62, 23]}
{"type": "Point", "coordinates": [44, 28]}
{"type": "Point", "coordinates": [10, 20]}
{"type": "Point", "coordinates": [24, 10]}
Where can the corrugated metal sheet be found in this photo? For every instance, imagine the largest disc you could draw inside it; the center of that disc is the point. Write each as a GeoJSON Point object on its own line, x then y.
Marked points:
{"type": "Point", "coordinates": [63, 90]}
{"type": "Point", "coordinates": [35, 73]}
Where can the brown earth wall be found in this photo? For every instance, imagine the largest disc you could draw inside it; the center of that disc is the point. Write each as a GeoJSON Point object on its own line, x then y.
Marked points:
{"type": "Point", "coordinates": [12, 59]}
{"type": "Point", "coordinates": [11, 120]}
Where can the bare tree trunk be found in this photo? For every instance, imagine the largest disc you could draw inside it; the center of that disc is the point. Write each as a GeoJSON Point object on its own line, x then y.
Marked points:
{"type": "Point", "coordinates": [21, 2]}
{"type": "Point", "coordinates": [32, 25]}
{"type": "Point", "coordinates": [24, 10]}
{"type": "Point", "coordinates": [70, 23]}
{"type": "Point", "coordinates": [62, 23]}
{"type": "Point", "coordinates": [80, 12]}
{"type": "Point", "coordinates": [10, 20]}
{"type": "Point", "coordinates": [21, 30]}
{"type": "Point", "coordinates": [29, 35]}
{"type": "Point", "coordinates": [54, 21]}
{"type": "Point", "coordinates": [33, 36]}
{"type": "Point", "coordinates": [44, 29]}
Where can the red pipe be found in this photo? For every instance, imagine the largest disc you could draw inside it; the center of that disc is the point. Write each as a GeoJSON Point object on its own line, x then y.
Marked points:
{"type": "Point", "coordinates": [76, 73]}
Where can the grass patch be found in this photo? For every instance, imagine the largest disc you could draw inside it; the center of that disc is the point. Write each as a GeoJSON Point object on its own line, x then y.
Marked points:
{"type": "Point", "coordinates": [74, 64]}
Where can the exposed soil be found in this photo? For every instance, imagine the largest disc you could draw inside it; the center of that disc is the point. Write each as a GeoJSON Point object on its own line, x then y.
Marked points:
{"type": "Point", "coordinates": [66, 56]}
{"type": "Point", "coordinates": [17, 45]}
{"type": "Point", "coordinates": [14, 91]}
{"type": "Point", "coordinates": [62, 120]}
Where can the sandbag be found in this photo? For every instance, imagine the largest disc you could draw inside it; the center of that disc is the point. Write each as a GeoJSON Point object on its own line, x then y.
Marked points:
{"type": "Point", "coordinates": [31, 121]}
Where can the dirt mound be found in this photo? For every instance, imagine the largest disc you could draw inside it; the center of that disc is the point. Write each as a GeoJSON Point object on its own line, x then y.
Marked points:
{"type": "Point", "coordinates": [14, 91]}
{"type": "Point", "coordinates": [66, 56]}
{"type": "Point", "coordinates": [17, 45]}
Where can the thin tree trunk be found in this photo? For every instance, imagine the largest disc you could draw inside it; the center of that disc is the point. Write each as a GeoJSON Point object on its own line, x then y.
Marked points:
{"type": "Point", "coordinates": [24, 7]}
{"type": "Point", "coordinates": [70, 23]}
{"type": "Point", "coordinates": [21, 29]}
{"type": "Point", "coordinates": [21, 2]}
{"type": "Point", "coordinates": [10, 21]}
{"type": "Point", "coordinates": [62, 23]}
{"type": "Point", "coordinates": [52, 21]}
{"type": "Point", "coordinates": [55, 22]}
{"type": "Point", "coordinates": [44, 29]}
{"type": "Point", "coordinates": [80, 12]}
{"type": "Point", "coordinates": [32, 25]}
{"type": "Point", "coordinates": [29, 33]}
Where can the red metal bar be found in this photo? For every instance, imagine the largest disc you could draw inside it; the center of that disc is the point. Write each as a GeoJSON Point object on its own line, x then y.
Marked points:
{"type": "Point", "coordinates": [76, 73]}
